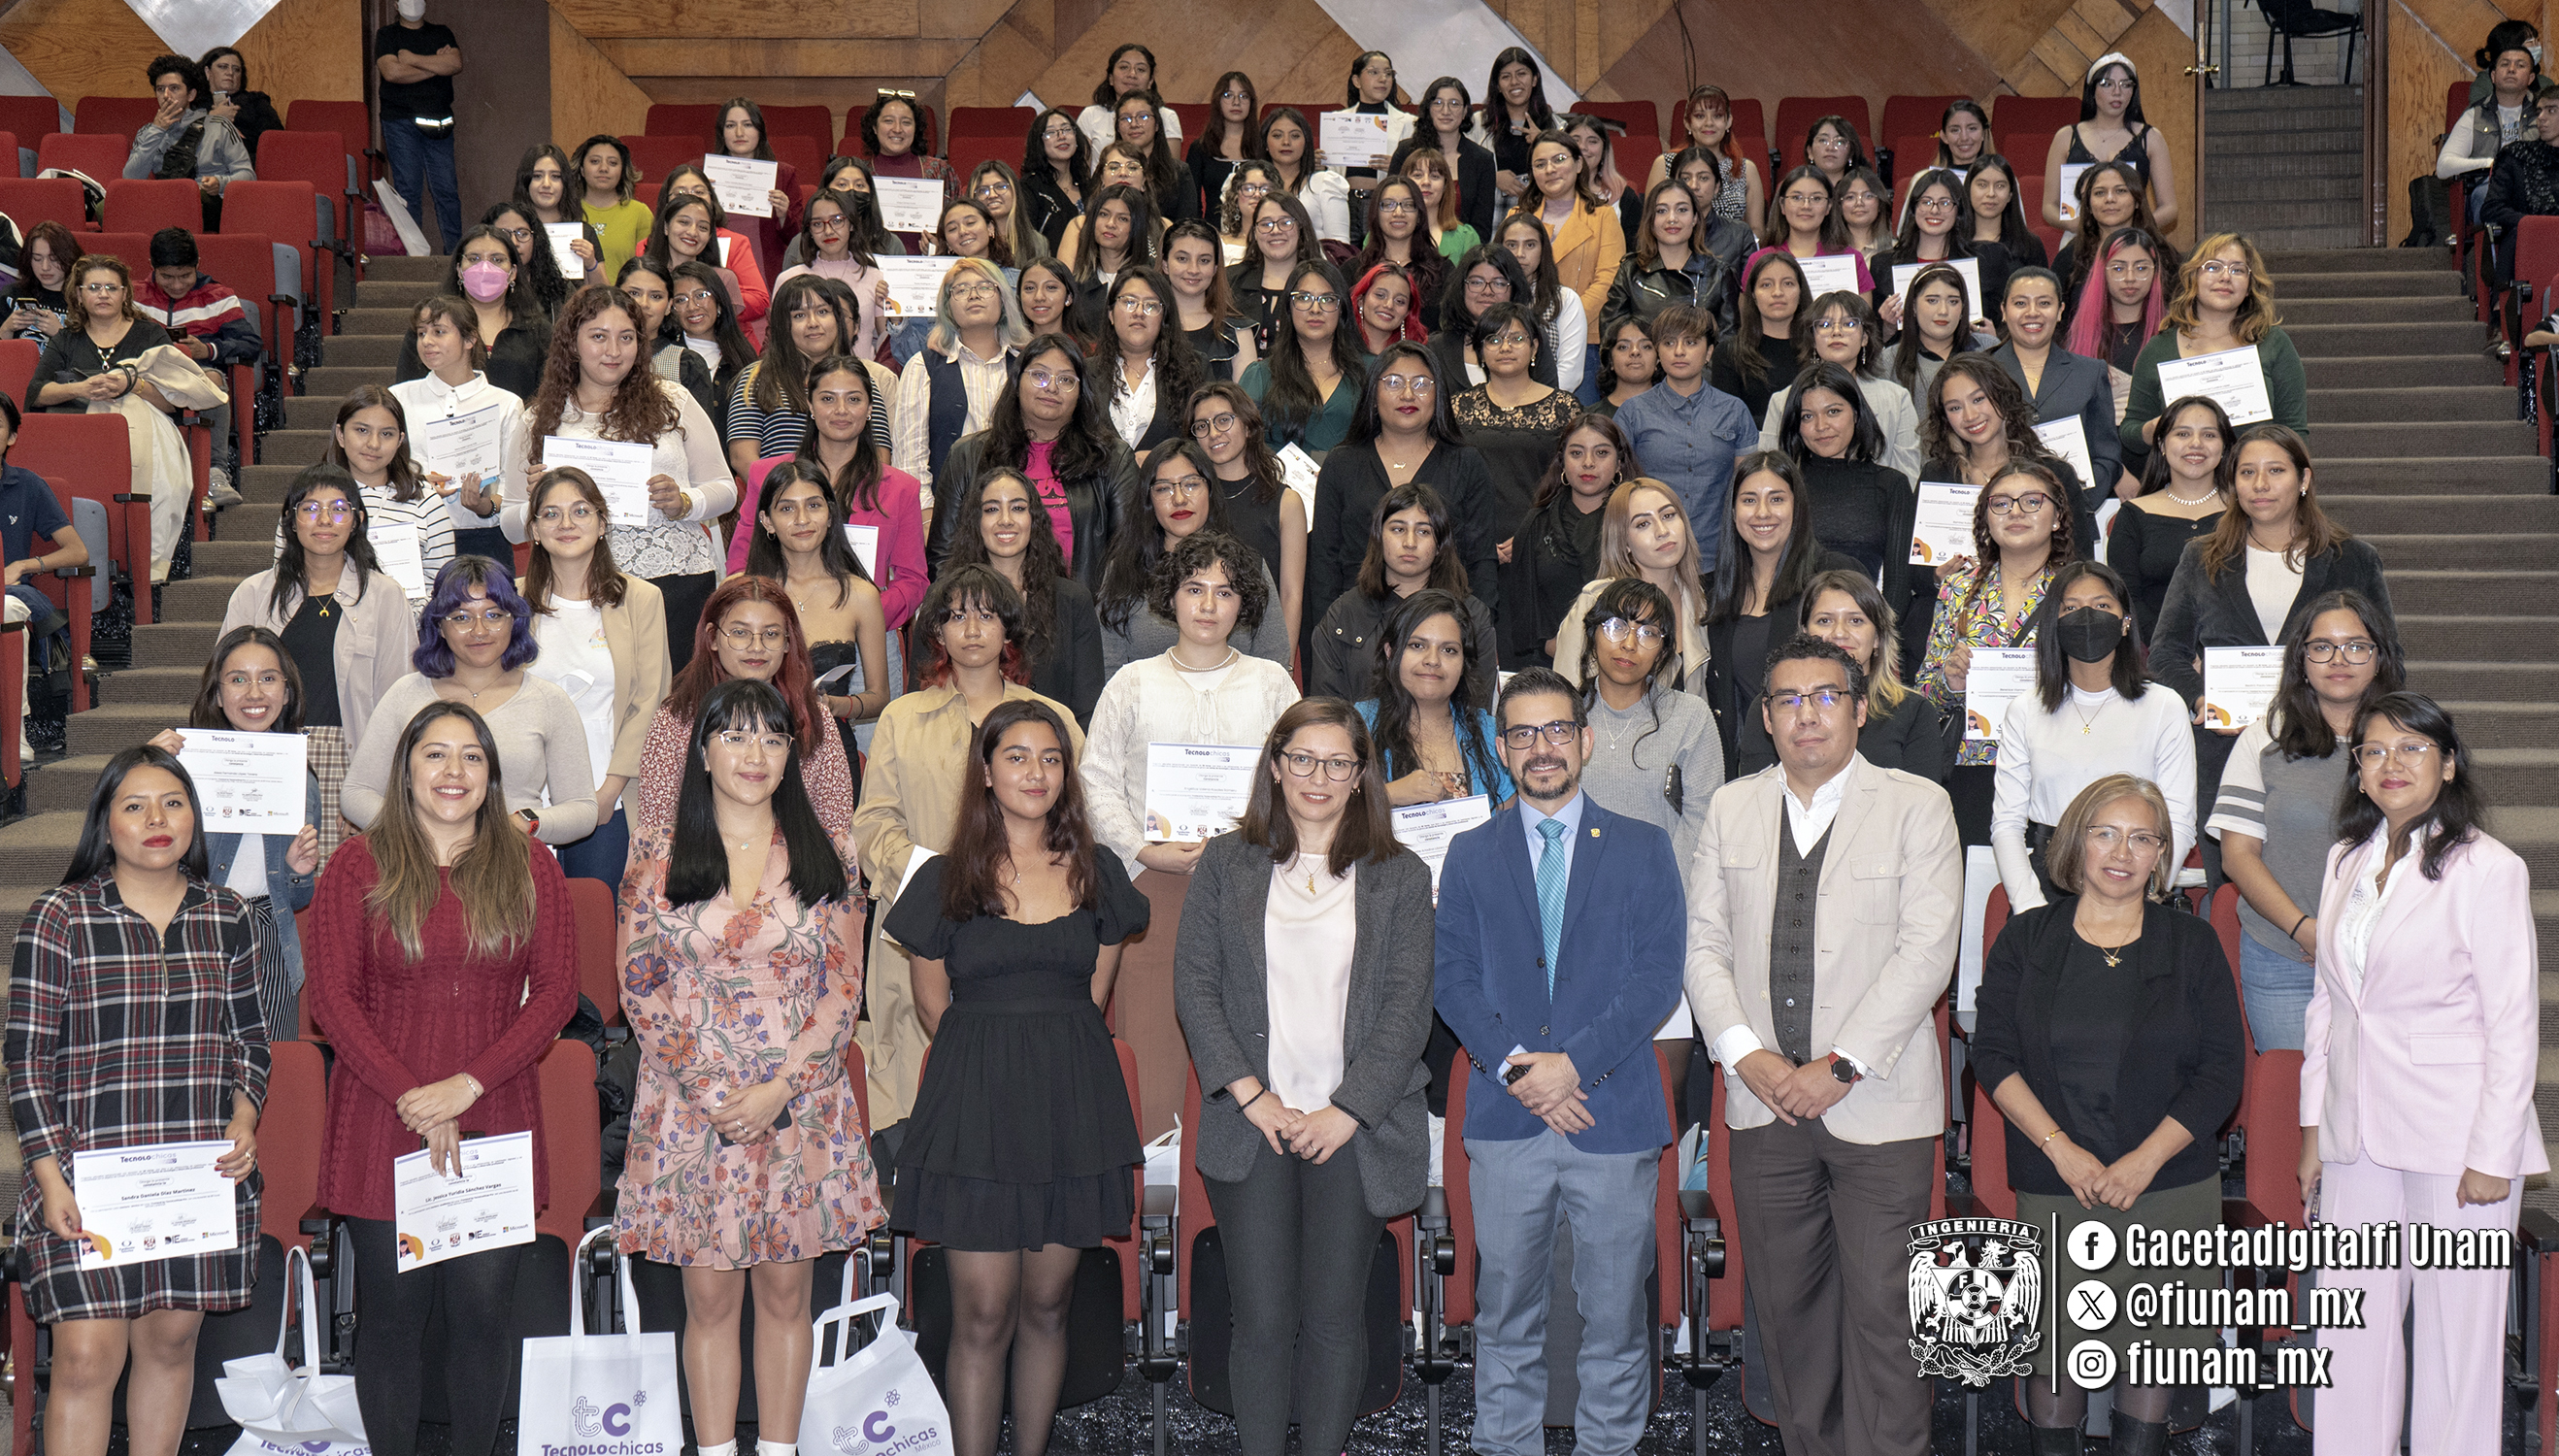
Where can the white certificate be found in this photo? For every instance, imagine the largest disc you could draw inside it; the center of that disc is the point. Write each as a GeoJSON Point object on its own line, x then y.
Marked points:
{"type": "Point", "coordinates": [1831, 273]}
{"type": "Point", "coordinates": [490, 1206]}
{"type": "Point", "coordinates": [1942, 529]}
{"type": "Point", "coordinates": [1299, 472]}
{"type": "Point", "coordinates": [2070, 200]}
{"type": "Point", "coordinates": [561, 236]}
{"type": "Point", "coordinates": [1426, 829]}
{"type": "Point", "coordinates": [864, 539]}
{"type": "Point", "coordinates": [1998, 675]}
{"type": "Point", "coordinates": [618, 468]}
{"type": "Point", "coordinates": [1354, 138]}
{"type": "Point", "coordinates": [2232, 379]}
{"type": "Point", "coordinates": [2068, 438]}
{"type": "Point", "coordinates": [400, 553]}
{"type": "Point", "coordinates": [2239, 684]}
{"type": "Point", "coordinates": [162, 1200]}
{"type": "Point", "coordinates": [743, 185]}
{"type": "Point", "coordinates": [248, 783]}
{"type": "Point", "coordinates": [908, 203]}
{"type": "Point", "coordinates": [1195, 791]}
{"type": "Point", "coordinates": [1971, 268]}
{"type": "Point", "coordinates": [914, 284]}
{"type": "Point", "coordinates": [461, 446]}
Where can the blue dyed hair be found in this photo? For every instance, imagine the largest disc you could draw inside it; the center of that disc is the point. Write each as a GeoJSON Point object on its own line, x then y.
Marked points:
{"type": "Point", "coordinates": [452, 588]}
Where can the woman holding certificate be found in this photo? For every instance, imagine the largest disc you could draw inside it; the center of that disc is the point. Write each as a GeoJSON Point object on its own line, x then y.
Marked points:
{"type": "Point", "coordinates": [443, 964]}
{"type": "Point", "coordinates": [739, 133]}
{"type": "Point", "coordinates": [742, 971]}
{"type": "Point", "coordinates": [347, 627]}
{"type": "Point", "coordinates": [1974, 422]}
{"type": "Point", "coordinates": [893, 140]}
{"type": "Point", "coordinates": [2092, 712]}
{"type": "Point", "coordinates": [133, 1021]}
{"type": "Point", "coordinates": [408, 525]}
{"type": "Point", "coordinates": [697, 232]}
{"type": "Point", "coordinates": [251, 686]}
{"type": "Point", "coordinates": [2224, 301]}
{"type": "Point", "coordinates": [470, 439]}
{"type": "Point", "coordinates": [668, 495]}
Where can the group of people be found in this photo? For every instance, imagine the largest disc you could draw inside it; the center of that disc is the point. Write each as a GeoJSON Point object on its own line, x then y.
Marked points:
{"type": "Point", "coordinates": [859, 710]}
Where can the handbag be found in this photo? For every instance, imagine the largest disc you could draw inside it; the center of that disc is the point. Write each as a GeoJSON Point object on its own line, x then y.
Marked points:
{"type": "Point", "coordinates": [600, 1394]}
{"type": "Point", "coordinates": [877, 1400]}
{"type": "Point", "coordinates": [302, 1410]}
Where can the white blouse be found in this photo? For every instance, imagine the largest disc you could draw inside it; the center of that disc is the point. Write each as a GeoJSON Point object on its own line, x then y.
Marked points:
{"type": "Point", "coordinates": [431, 398]}
{"type": "Point", "coordinates": [2364, 904]}
{"type": "Point", "coordinates": [690, 454]}
{"type": "Point", "coordinates": [2046, 759]}
{"type": "Point", "coordinates": [1152, 701]}
{"type": "Point", "coordinates": [1307, 933]}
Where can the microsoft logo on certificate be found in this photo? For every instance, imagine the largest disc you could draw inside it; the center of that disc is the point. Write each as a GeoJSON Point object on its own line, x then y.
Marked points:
{"type": "Point", "coordinates": [1976, 1291]}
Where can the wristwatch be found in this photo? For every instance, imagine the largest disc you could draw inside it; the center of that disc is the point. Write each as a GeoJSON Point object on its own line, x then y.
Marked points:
{"type": "Point", "coordinates": [1843, 1070]}
{"type": "Point", "coordinates": [532, 821]}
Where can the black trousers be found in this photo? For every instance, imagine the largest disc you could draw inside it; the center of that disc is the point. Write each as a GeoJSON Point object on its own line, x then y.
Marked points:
{"type": "Point", "coordinates": [475, 1294]}
{"type": "Point", "coordinates": [1298, 1240]}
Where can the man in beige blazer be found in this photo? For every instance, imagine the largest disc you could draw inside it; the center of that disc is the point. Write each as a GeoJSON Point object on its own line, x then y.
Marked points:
{"type": "Point", "coordinates": [1823, 906]}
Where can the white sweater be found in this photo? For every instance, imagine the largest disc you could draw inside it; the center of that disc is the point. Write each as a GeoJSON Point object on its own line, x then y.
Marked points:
{"type": "Point", "coordinates": [2046, 759]}
{"type": "Point", "coordinates": [1152, 701]}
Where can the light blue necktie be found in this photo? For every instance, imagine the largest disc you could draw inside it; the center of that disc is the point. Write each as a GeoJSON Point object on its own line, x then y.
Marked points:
{"type": "Point", "coordinates": [1554, 867]}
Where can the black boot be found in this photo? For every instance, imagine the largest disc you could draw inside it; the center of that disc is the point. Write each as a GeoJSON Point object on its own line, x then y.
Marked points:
{"type": "Point", "coordinates": [2058, 1440]}
{"type": "Point", "coordinates": [2137, 1437]}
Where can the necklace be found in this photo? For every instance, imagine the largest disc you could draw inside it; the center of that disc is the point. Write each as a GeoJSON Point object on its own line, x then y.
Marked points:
{"type": "Point", "coordinates": [2114, 957]}
{"type": "Point", "coordinates": [2089, 721]}
{"type": "Point", "coordinates": [2195, 501]}
{"type": "Point", "coordinates": [1228, 660]}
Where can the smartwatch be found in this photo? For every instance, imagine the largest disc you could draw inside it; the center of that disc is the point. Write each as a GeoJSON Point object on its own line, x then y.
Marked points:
{"type": "Point", "coordinates": [1843, 1070]}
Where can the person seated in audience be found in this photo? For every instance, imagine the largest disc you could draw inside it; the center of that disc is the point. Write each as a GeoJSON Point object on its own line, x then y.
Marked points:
{"type": "Point", "coordinates": [1425, 694]}
{"type": "Point", "coordinates": [443, 965]}
{"type": "Point", "coordinates": [1860, 506]}
{"type": "Point", "coordinates": [1629, 363]}
{"type": "Point", "coordinates": [1398, 235]}
{"type": "Point", "coordinates": [91, 366]}
{"type": "Point", "coordinates": [206, 321]}
{"type": "Point", "coordinates": [653, 302]}
{"type": "Point", "coordinates": [1646, 533]}
{"type": "Point", "coordinates": [605, 186]}
{"type": "Point", "coordinates": [2185, 490]}
{"type": "Point", "coordinates": [2111, 128]}
{"type": "Point", "coordinates": [1510, 419]}
{"type": "Point", "coordinates": [1665, 266]}
{"type": "Point", "coordinates": [2276, 812]}
{"type": "Point", "coordinates": [1057, 158]}
{"type": "Point", "coordinates": [1232, 136]}
{"type": "Point", "coordinates": [512, 325]}
{"type": "Point", "coordinates": [1130, 71]}
{"type": "Point", "coordinates": [185, 139]}
{"type": "Point", "coordinates": [2114, 1083]}
{"type": "Point", "coordinates": [1756, 357]}
{"type": "Point", "coordinates": [1281, 239]}
{"type": "Point", "coordinates": [1841, 329]}
{"type": "Point", "coordinates": [1560, 313]}
{"type": "Point", "coordinates": [2092, 712]}
{"type": "Point", "coordinates": [2225, 300]}
{"type": "Point", "coordinates": [2110, 197]}
{"type": "Point", "coordinates": [251, 686]}
{"type": "Point", "coordinates": [1804, 222]}
{"type": "Point", "coordinates": [1688, 431]}
{"type": "Point", "coordinates": [443, 333]}
{"type": "Point", "coordinates": [542, 194]}
{"type": "Point", "coordinates": [893, 140]}
{"type": "Point", "coordinates": [1453, 235]}
{"type": "Point", "coordinates": [1061, 634]}
{"type": "Point", "coordinates": [1310, 385]}
{"type": "Point", "coordinates": [2060, 384]}
{"type": "Point", "coordinates": [691, 227]}
{"type": "Point", "coordinates": [1903, 729]}
{"type": "Point", "coordinates": [949, 389]}
{"type": "Point", "coordinates": [1052, 425]}
{"type": "Point", "coordinates": [748, 629]}
{"type": "Point", "coordinates": [1480, 279]}
{"type": "Point", "coordinates": [1937, 324]}
{"type": "Point", "coordinates": [1288, 145]}
{"type": "Point", "coordinates": [1175, 495]}
{"type": "Point", "coordinates": [228, 96]}
{"type": "Point", "coordinates": [828, 251]}
{"type": "Point", "coordinates": [1731, 187]}
{"type": "Point", "coordinates": [29, 509]}
{"type": "Point", "coordinates": [134, 1018]}
{"type": "Point", "coordinates": [1201, 689]}
{"type": "Point", "coordinates": [40, 300]}
{"type": "Point", "coordinates": [1770, 553]}
{"type": "Point", "coordinates": [370, 441]}
{"type": "Point", "coordinates": [738, 131]}
{"type": "Point", "coordinates": [973, 636]}
{"type": "Point", "coordinates": [475, 636]}
{"type": "Point", "coordinates": [997, 189]}
{"type": "Point", "coordinates": [1403, 433]}
{"type": "Point", "coordinates": [1150, 370]}
{"type": "Point", "coordinates": [2524, 183]}
{"type": "Point", "coordinates": [1219, 335]}
{"type": "Point", "coordinates": [1656, 754]}
{"type": "Point", "coordinates": [2496, 120]}
{"type": "Point", "coordinates": [1412, 548]}
{"type": "Point", "coordinates": [1260, 507]}
{"type": "Point", "coordinates": [2002, 240]}
{"type": "Point", "coordinates": [799, 542]}
{"type": "Point", "coordinates": [1555, 548]}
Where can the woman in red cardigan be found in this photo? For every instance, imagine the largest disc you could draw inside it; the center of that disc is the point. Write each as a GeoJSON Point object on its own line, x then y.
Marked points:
{"type": "Point", "coordinates": [442, 965]}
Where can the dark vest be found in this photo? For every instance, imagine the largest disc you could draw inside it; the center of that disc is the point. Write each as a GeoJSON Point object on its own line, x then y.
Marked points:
{"type": "Point", "coordinates": [947, 414]}
{"type": "Point", "coordinates": [1791, 930]}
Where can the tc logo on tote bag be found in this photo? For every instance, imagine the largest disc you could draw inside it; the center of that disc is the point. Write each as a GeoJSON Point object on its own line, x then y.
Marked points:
{"type": "Point", "coordinates": [590, 1395]}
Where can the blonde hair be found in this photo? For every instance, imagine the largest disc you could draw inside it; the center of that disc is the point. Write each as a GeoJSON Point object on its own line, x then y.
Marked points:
{"type": "Point", "coordinates": [1617, 554]}
{"type": "Point", "coordinates": [2256, 317]}
{"type": "Point", "coordinates": [2066, 858]}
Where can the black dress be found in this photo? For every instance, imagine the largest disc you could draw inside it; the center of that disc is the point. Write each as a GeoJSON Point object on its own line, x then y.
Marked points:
{"type": "Point", "coordinates": [2146, 547]}
{"type": "Point", "coordinates": [1253, 521]}
{"type": "Point", "coordinates": [825, 657]}
{"type": "Point", "coordinates": [1021, 1135]}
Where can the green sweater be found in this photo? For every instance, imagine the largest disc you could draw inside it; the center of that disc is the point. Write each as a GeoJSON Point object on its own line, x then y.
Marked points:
{"type": "Point", "coordinates": [2286, 389]}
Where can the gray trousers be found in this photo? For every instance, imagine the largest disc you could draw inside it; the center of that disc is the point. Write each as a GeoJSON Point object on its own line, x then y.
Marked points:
{"type": "Point", "coordinates": [1606, 1198]}
{"type": "Point", "coordinates": [1298, 1241]}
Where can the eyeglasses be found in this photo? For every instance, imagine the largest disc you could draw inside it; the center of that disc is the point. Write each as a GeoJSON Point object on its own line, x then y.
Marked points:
{"type": "Point", "coordinates": [2219, 269]}
{"type": "Point", "coordinates": [1136, 116]}
{"type": "Point", "coordinates": [748, 636]}
{"type": "Point", "coordinates": [1251, 189]}
{"type": "Point", "coordinates": [2106, 839]}
{"type": "Point", "coordinates": [1416, 385]}
{"type": "Point", "coordinates": [775, 745]}
{"type": "Point", "coordinates": [1525, 735]}
{"type": "Point", "coordinates": [1837, 326]}
{"type": "Point", "coordinates": [581, 513]}
{"type": "Point", "coordinates": [2357, 650]}
{"type": "Point", "coordinates": [2132, 270]}
{"type": "Point", "coordinates": [465, 620]}
{"type": "Point", "coordinates": [1216, 424]}
{"type": "Point", "coordinates": [1274, 224]}
{"type": "Point", "coordinates": [2408, 755]}
{"type": "Point", "coordinates": [1933, 205]}
{"type": "Point", "coordinates": [994, 184]}
{"type": "Point", "coordinates": [697, 297]}
{"type": "Point", "coordinates": [102, 288]}
{"type": "Point", "coordinates": [1234, 95]}
{"type": "Point", "coordinates": [1321, 303]}
{"type": "Point", "coordinates": [313, 511]}
{"type": "Point", "coordinates": [1488, 285]}
{"type": "Point", "coordinates": [1189, 484]}
{"type": "Point", "coordinates": [980, 288]}
{"type": "Point", "coordinates": [1063, 379]}
{"type": "Point", "coordinates": [830, 224]}
{"type": "Point", "coordinates": [1618, 630]}
{"type": "Point", "coordinates": [1144, 308]}
{"type": "Point", "coordinates": [1397, 209]}
{"type": "Point", "coordinates": [1821, 698]}
{"type": "Point", "coordinates": [519, 235]}
{"type": "Point", "coordinates": [1305, 765]}
{"type": "Point", "coordinates": [2021, 505]}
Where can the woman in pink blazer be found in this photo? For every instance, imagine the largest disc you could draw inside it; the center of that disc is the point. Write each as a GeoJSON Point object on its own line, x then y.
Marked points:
{"type": "Point", "coordinates": [2417, 1073]}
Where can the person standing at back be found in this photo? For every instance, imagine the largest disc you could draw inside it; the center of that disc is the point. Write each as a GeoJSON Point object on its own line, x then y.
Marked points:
{"type": "Point", "coordinates": [417, 62]}
{"type": "Point", "coordinates": [1567, 1117]}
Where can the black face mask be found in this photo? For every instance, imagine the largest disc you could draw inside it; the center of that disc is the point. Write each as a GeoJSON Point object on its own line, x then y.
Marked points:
{"type": "Point", "coordinates": [2089, 634]}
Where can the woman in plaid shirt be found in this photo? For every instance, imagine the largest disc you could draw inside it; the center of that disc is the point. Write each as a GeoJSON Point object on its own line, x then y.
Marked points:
{"type": "Point", "coordinates": [133, 1020]}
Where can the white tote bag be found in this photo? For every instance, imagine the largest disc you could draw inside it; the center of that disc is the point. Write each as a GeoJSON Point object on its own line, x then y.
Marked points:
{"type": "Point", "coordinates": [278, 1403]}
{"type": "Point", "coordinates": [600, 1394]}
{"type": "Point", "coordinates": [878, 1400]}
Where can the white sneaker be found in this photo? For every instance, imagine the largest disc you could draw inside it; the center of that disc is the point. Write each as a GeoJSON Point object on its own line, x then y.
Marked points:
{"type": "Point", "coordinates": [219, 492]}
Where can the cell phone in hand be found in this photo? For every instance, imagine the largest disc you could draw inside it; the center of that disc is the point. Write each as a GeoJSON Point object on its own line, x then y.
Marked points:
{"type": "Point", "coordinates": [1516, 1070]}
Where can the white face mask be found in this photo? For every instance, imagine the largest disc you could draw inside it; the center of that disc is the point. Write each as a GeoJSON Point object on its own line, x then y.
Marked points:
{"type": "Point", "coordinates": [412, 9]}
{"type": "Point", "coordinates": [2534, 49]}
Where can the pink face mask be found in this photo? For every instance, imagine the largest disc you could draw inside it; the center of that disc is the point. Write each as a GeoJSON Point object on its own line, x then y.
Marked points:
{"type": "Point", "coordinates": [484, 282]}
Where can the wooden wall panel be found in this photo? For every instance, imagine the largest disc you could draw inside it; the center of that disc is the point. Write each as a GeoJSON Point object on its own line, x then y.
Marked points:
{"type": "Point", "coordinates": [2160, 53]}
{"type": "Point", "coordinates": [308, 50]}
{"type": "Point", "coordinates": [600, 20]}
{"type": "Point", "coordinates": [303, 49]}
{"type": "Point", "coordinates": [589, 95]}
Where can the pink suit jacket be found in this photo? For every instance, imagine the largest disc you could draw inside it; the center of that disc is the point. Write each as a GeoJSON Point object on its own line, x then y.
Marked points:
{"type": "Point", "coordinates": [2429, 1067]}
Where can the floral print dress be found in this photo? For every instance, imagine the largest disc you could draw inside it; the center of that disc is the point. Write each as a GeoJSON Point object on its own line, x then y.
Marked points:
{"type": "Point", "coordinates": [1980, 626]}
{"type": "Point", "coordinates": [722, 995]}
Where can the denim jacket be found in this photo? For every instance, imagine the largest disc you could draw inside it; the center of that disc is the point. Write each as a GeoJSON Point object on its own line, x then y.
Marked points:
{"type": "Point", "coordinates": [289, 892]}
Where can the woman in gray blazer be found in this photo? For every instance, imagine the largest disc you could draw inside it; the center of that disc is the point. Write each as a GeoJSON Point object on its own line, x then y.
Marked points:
{"type": "Point", "coordinates": [1312, 1131]}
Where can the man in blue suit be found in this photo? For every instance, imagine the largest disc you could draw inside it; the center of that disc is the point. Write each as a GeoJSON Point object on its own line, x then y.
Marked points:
{"type": "Point", "coordinates": [1559, 952]}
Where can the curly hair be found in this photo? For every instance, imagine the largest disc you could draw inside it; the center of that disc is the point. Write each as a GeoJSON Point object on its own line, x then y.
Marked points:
{"type": "Point", "coordinates": [1197, 553]}
{"type": "Point", "coordinates": [641, 409]}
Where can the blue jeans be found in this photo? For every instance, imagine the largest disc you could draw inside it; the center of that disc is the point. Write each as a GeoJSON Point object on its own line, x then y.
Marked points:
{"type": "Point", "coordinates": [604, 854]}
{"type": "Point", "coordinates": [419, 161]}
{"type": "Point", "coordinates": [2276, 990]}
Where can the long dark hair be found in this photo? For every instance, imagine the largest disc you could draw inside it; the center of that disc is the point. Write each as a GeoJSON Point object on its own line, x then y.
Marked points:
{"type": "Point", "coordinates": [1551, 485]}
{"type": "Point", "coordinates": [1178, 370]}
{"type": "Point", "coordinates": [2015, 231]}
{"type": "Point", "coordinates": [2154, 470]}
{"type": "Point", "coordinates": [1454, 311]}
{"type": "Point", "coordinates": [1083, 447]}
{"type": "Point", "coordinates": [1042, 563]}
{"type": "Point", "coordinates": [1367, 421]}
{"type": "Point", "coordinates": [1906, 350]}
{"type": "Point", "coordinates": [2315, 531]}
{"type": "Point", "coordinates": [292, 573]}
{"type": "Point", "coordinates": [523, 301]}
{"type": "Point", "coordinates": [1261, 462]}
{"type": "Point", "coordinates": [1741, 345]}
{"type": "Point", "coordinates": [1833, 231]}
{"type": "Point", "coordinates": [972, 882]}
{"type": "Point", "coordinates": [696, 859]}
{"type": "Point", "coordinates": [2089, 91]}
{"type": "Point", "coordinates": [794, 679]}
{"type": "Point", "coordinates": [836, 555]}
{"type": "Point", "coordinates": [2128, 671]}
{"type": "Point", "coordinates": [1212, 137]}
{"type": "Point", "coordinates": [1959, 241]}
{"type": "Point", "coordinates": [1447, 572]}
{"type": "Point", "coordinates": [1165, 175]}
{"type": "Point", "coordinates": [857, 487]}
{"type": "Point", "coordinates": [1397, 752]}
{"type": "Point", "coordinates": [1635, 600]}
{"type": "Point", "coordinates": [1986, 551]}
{"type": "Point", "coordinates": [1866, 440]}
{"type": "Point", "coordinates": [782, 380]}
{"type": "Point", "coordinates": [2459, 812]}
{"type": "Point", "coordinates": [1146, 220]}
{"type": "Point", "coordinates": [1546, 285]}
{"type": "Point", "coordinates": [1036, 162]}
{"type": "Point", "coordinates": [95, 853]}
{"type": "Point", "coordinates": [207, 711]}
{"type": "Point", "coordinates": [537, 271]}
{"type": "Point", "coordinates": [2295, 723]}
{"type": "Point", "coordinates": [1367, 828]}
{"type": "Point", "coordinates": [401, 475]}
{"type": "Point", "coordinates": [1497, 109]}
{"type": "Point", "coordinates": [1129, 574]}
{"type": "Point", "coordinates": [605, 583]}
{"type": "Point", "coordinates": [735, 353]}
{"type": "Point", "coordinates": [1293, 400]}
{"type": "Point", "coordinates": [1727, 590]}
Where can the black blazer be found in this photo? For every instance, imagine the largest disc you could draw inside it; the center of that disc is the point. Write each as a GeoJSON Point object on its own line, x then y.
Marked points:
{"type": "Point", "coordinates": [2184, 1058]}
{"type": "Point", "coordinates": [1733, 678]}
{"type": "Point", "coordinates": [1070, 672]}
{"type": "Point", "coordinates": [1544, 576]}
{"type": "Point", "coordinates": [2075, 385]}
{"type": "Point", "coordinates": [1917, 737]}
{"type": "Point", "coordinates": [1350, 483]}
{"type": "Point", "coordinates": [1479, 200]}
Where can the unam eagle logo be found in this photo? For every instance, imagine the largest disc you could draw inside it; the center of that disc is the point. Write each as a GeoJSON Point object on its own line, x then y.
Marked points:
{"type": "Point", "coordinates": [1976, 1293]}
